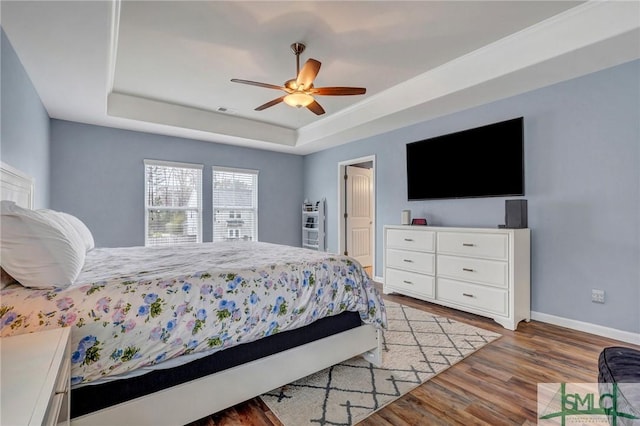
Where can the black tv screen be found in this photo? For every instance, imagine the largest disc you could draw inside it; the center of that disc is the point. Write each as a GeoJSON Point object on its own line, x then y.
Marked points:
{"type": "Point", "coordinates": [486, 161]}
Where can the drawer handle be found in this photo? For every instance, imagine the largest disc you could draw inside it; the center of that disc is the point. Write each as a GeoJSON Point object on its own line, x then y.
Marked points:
{"type": "Point", "coordinates": [408, 239]}
{"type": "Point", "coordinates": [407, 282]}
{"type": "Point", "coordinates": [407, 260]}
{"type": "Point", "coordinates": [468, 244]}
{"type": "Point", "coordinates": [468, 295]}
{"type": "Point", "coordinates": [467, 269]}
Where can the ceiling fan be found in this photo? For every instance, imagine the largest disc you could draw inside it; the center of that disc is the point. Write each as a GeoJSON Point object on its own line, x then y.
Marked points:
{"type": "Point", "coordinates": [300, 90]}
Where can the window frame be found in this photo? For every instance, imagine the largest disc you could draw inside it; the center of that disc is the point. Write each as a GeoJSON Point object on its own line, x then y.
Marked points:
{"type": "Point", "coordinates": [237, 212]}
{"type": "Point", "coordinates": [147, 207]}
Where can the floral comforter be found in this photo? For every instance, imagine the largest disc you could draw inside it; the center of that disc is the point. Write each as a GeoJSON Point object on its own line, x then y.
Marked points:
{"type": "Point", "coordinates": [135, 307]}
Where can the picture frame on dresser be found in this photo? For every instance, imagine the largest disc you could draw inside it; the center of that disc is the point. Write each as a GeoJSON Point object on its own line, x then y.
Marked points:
{"type": "Point", "coordinates": [483, 271]}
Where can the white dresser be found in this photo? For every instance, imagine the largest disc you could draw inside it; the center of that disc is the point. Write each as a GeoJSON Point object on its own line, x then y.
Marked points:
{"type": "Point", "coordinates": [35, 382]}
{"type": "Point", "coordinates": [480, 270]}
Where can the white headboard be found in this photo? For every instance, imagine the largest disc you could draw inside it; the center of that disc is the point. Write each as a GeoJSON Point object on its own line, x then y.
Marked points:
{"type": "Point", "coordinates": [16, 186]}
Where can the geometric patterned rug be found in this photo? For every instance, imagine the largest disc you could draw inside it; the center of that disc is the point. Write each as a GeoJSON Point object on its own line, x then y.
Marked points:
{"type": "Point", "coordinates": [416, 346]}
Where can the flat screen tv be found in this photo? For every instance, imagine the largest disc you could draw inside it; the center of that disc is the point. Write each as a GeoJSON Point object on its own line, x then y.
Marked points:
{"type": "Point", "coordinates": [486, 161]}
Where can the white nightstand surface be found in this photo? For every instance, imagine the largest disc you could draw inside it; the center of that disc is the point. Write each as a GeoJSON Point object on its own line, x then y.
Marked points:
{"type": "Point", "coordinates": [29, 367]}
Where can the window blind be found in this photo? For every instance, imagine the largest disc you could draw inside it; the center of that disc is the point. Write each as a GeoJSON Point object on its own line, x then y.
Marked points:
{"type": "Point", "coordinates": [173, 203]}
{"type": "Point", "coordinates": [235, 204]}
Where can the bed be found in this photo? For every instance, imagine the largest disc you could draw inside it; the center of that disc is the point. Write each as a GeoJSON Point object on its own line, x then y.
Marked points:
{"type": "Point", "coordinates": [170, 335]}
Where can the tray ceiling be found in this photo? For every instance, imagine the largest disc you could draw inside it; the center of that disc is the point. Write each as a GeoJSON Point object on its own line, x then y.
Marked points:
{"type": "Point", "coordinates": [165, 67]}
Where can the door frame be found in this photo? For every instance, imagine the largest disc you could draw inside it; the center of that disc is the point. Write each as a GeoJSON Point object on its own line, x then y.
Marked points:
{"type": "Point", "coordinates": [342, 205]}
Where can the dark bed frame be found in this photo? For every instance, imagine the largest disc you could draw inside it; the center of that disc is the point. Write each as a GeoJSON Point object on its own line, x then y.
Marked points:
{"type": "Point", "coordinates": [91, 398]}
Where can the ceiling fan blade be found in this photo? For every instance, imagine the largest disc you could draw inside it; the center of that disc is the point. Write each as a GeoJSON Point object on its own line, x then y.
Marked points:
{"type": "Point", "coordinates": [308, 73]}
{"type": "Point", "coordinates": [270, 103]}
{"type": "Point", "coordinates": [338, 91]}
{"type": "Point", "coordinates": [316, 108]}
{"type": "Point", "coordinates": [256, 83]}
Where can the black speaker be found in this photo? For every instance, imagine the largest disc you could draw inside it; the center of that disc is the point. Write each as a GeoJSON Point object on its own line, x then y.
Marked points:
{"type": "Point", "coordinates": [515, 214]}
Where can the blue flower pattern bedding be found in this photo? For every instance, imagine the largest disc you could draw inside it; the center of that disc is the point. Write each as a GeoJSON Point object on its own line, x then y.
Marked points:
{"type": "Point", "coordinates": [139, 306]}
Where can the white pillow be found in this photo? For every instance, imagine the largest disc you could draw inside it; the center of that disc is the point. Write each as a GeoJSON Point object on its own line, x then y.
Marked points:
{"type": "Point", "coordinates": [58, 220]}
{"type": "Point", "coordinates": [73, 226]}
{"type": "Point", "coordinates": [82, 229]}
{"type": "Point", "coordinates": [37, 250]}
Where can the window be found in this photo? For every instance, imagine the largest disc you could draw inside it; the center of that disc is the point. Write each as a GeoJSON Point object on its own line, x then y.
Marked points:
{"type": "Point", "coordinates": [173, 203]}
{"type": "Point", "coordinates": [235, 204]}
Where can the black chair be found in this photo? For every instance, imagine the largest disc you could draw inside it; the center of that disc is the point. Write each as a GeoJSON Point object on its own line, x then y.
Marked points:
{"type": "Point", "coordinates": [620, 366]}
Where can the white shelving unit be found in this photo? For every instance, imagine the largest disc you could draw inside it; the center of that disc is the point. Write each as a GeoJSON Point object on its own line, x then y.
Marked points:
{"type": "Point", "coordinates": [313, 235]}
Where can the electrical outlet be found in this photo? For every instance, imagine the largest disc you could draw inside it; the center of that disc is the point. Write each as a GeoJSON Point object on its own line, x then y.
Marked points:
{"type": "Point", "coordinates": [597, 296]}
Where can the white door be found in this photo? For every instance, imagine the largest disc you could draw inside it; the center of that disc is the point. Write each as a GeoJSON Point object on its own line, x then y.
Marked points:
{"type": "Point", "coordinates": [358, 187]}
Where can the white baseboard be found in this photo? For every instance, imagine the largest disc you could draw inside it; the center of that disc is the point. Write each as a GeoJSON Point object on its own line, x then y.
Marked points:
{"type": "Point", "coordinates": [612, 333]}
{"type": "Point", "coordinates": [598, 330]}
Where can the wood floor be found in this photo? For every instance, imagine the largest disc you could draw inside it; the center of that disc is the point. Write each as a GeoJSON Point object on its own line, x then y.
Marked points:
{"type": "Point", "coordinates": [496, 385]}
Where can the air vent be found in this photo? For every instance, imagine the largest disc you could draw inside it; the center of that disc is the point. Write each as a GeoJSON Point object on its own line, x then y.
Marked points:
{"type": "Point", "coordinates": [225, 110]}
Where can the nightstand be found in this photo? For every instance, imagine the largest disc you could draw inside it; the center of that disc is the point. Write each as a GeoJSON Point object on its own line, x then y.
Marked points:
{"type": "Point", "coordinates": [35, 372]}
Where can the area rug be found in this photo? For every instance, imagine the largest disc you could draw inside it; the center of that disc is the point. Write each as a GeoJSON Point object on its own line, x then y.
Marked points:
{"type": "Point", "coordinates": [416, 346]}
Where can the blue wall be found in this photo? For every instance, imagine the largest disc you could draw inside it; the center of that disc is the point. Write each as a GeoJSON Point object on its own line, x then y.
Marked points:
{"type": "Point", "coordinates": [98, 175]}
{"type": "Point", "coordinates": [24, 134]}
{"type": "Point", "coordinates": [582, 181]}
{"type": "Point", "coordinates": [582, 155]}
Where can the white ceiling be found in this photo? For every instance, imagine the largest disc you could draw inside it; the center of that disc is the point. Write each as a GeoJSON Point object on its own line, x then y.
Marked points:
{"type": "Point", "coordinates": [165, 67]}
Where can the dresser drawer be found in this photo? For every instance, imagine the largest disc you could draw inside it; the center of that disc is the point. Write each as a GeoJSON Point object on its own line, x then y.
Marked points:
{"type": "Point", "coordinates": [410, 239]}
{"type": "Point", "coordinates": [415, 261]}
{"type": "Point", "coordinates": [59, 410]}
{"type": "Point", "coordinates": [492, 272]}
{"type": "Point", "coordinates": [476, 296]}
{"type": "Point", "coordinates": [411, 281]}
{"type": "Point", "coordinates": [56, 411]}
{"type": "Point", "coordinates": [494, 246]}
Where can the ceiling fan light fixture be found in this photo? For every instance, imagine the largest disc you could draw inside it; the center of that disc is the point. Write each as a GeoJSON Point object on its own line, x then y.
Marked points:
{"type": "Point", "coordinates": [300, 90]}
{"type": "Point", "coordinates": [298, 99]}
